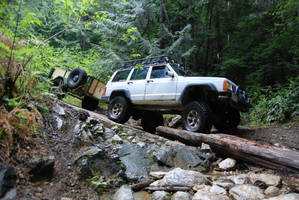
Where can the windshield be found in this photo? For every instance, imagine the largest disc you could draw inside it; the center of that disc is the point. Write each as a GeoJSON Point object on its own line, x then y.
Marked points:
{"type": "Point", "coordinates": [180, 71]}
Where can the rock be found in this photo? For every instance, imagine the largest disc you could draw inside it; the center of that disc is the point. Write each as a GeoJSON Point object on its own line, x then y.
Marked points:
{"type": "Point", "coordinates": [240, 179]}
{"type": "Point", "coordinates": [181, 178]}
{"type": "Point", "coordinates": [57, 122]}
{"type": "Point", "coordinates": [142, 195]}
{"type": "Point", "coordinates": [58, 109]}
{"type": "Point", "coordinates": [224, 183]}
{"type": "Point", "coordinates": [290, 196]}
{"type": "Point", "coordinates": [66, 198]}
{"type": "Point", "coordinates": [200, 195]}
{"type": "Point", "coordinates": [269, 179]}
{"type": "Point", "coordinates": [124, 193]}
{"type": "Point", "coordinates": [8, 179]}
{"type": "Point", "coordinates": [84, 169]}
{"type": "Point", "coordinates": [181, 156]}
{"type": "Point", "coordinates": [117, 139]}
{"type": "Point", "coordinates": [272, 191]}
{"type": "Point", "coordinates": [165, 156]}
{"type": "Point", "coordinates": [136, 161]}
{"type": "Point", "coordinates": [203, 188]}
{"type": "Point", "coordinates": [205, 146]}
{"type": "Point", "coordinates": [227, 164]}
{"type": "Point", "coordinates": [158, 175]}
{"type": "Point", "coordinates": [83, 115]}
{"type": "Point", "coordinates": [10, 195]}
{"type": "Point", "coordinates": [175, 121]}
{"type": "Point", "coordinates": [218, 190]}
{"type": "Point", "coordinates": [248, 192]}
{"type": "Point", "coordinates": [160, 195]}
{"type": "Point", "coordinates": [181, 196]}
{"type": "Point", "coordinates": [41, 168]}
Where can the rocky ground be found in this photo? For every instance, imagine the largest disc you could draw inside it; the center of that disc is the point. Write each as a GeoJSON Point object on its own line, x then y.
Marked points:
{"type": "Point", "coordinates": [82, 155]}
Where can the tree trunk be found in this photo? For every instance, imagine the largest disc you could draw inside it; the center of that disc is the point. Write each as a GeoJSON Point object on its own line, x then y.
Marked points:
{"type": "Point", "coordinates": [248, 150]}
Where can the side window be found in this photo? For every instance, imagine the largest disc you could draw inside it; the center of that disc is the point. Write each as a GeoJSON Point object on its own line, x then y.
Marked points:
{"type": "Point", "coordinates": [121, 76]}
{"type": "Point", "coordinates": [159, 72]}
{"type": "Point", "coordinates": [139, 74]}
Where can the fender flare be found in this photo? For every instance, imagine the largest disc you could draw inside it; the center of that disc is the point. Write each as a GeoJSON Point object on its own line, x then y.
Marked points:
{"type": "Point", "coordinates": [210, 86]}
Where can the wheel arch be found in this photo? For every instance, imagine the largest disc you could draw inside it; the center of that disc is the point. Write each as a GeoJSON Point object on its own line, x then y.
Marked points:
{"type": "Point", "coordinates": [124, 93]}
{"type": "Point", "coordinates": [204, 92]}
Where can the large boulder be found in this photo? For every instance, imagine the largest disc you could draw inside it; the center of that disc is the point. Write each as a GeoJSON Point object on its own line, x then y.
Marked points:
{"type": "Point", "coordinates": [180, 178]}
{"type": "Point", "coordinates": [136, 161]}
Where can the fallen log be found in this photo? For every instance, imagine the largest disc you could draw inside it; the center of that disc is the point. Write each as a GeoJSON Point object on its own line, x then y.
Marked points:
{"type": "Point", "coordinates": [248, 150]}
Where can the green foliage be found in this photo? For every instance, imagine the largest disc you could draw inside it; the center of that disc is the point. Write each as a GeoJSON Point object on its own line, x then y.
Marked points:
{"type": "Point", "coordinates": [274, 104]}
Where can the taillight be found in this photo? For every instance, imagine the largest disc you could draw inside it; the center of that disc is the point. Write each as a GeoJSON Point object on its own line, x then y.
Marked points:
{"type": "Point", "coordinates": [105, 91]}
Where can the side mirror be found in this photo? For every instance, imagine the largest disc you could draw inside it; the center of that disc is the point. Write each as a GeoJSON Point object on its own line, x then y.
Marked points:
{"type": "Point", "coordinates": [171, 74]}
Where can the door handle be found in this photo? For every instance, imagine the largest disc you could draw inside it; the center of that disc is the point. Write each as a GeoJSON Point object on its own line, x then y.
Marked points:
{"type": "Point", "coordinates": [130, 82]}
{"type": "Point", "coordinates": [149, 81]}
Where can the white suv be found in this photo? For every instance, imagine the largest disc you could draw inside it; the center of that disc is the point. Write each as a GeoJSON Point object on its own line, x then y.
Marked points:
{"type": "Point", "coordinates": [148, 88]}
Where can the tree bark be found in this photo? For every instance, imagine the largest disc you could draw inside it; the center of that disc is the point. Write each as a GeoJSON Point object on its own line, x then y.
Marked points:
{"type": "Point", "coordinates": [248, 150]}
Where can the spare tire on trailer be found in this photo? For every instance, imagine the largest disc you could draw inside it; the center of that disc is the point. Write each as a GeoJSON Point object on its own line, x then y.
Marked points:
{"type": "Point", "coordinates": [76, 78]}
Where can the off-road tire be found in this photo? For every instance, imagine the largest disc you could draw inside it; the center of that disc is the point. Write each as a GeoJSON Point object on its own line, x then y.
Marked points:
{"type": "Point", "coordinates": [119, 109]}
{"type": "Point", "coordinates": [89, 103]}
{"type": "Point", "coordinates": [76, 78]}
{"type": "Point", "coordinates": [150, 120]}
{"type": "Point", "coordinates": [196, 117]}
{"type": "Point", "coordinates": [227, 120]}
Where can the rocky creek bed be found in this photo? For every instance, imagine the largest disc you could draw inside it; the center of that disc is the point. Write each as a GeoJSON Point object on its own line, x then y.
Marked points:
{"type": "Point", "coordinates": [82, 155]}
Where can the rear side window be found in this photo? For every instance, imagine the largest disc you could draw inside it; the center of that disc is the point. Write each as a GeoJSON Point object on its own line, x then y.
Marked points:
{"type": "Point", "coordinates": [121, 76]}
{"type": "Point", "coordinates": [139, 74]}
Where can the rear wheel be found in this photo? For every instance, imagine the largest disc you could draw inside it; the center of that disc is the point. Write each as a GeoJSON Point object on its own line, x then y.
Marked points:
{"type": "Point", "coordinates": [89, 103]}
{"type": "Point", "coordinates": [196, 117]}
{"type": "Point", "coordinates": [151, 120]}
{"type": "Point", "coordinates": [228, 119]}
{"type": "Point", "coordinates": [119, 109]}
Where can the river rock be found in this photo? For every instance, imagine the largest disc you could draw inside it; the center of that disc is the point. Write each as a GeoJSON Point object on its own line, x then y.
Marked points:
{"type": "Point", "coordinates": [136, 161]}
{"type": "Point", "coordinates": [240, 179]}
{"type": "Point", "coordinates": [181, 196]}
{"type": "Point", "coordinates": [123, 193]}
{"type": "Point", "coordinates": [224, 183]}
{"type": "Point", "coordinates": [248, 192]}
{"type": "Point", "coordinates": [181, 178]}
{"type": "Point", "coordinates": [269, 179]}
{"type": "Point", "coordinates": [227, 164]}
{"type": "Point", "coordinates": [8, 179]}
{"type": "Point", "coordinates": [290, 196]}
{"type": "Point", "coordinates": [160, 195]}
{"type": "Point", "coordinates": [272, 191]}
{"type": "Point", "coordinates": [218, 190]}
{"type": "Point", "coordinates": [202, 187]}
{"type": "Point", "coordinates": [142, 195]}
{"type": "Point", "coordinates": [200, 195]}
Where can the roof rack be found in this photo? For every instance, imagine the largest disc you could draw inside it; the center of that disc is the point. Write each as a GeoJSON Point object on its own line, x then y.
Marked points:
{"type": "Point", "coordinates": [146, 61]}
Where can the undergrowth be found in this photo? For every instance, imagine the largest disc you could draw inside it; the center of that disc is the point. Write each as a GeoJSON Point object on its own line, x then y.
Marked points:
{"type": "Point", "coordinates": [273, 105]}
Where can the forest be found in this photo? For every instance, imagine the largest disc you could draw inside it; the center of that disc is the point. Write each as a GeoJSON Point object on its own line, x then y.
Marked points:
{"type": "Point", "coordinates": [253, 43]}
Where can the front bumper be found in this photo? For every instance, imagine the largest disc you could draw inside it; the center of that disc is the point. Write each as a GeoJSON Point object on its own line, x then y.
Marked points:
{"type": "Point", "coordinates": [238, 99]}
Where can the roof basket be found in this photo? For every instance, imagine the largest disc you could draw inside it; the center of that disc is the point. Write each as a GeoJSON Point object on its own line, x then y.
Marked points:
{"type": "Point", "coordinates": [146, 61]}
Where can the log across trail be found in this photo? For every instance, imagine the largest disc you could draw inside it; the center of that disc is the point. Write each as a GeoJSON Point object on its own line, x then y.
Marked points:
{"type": "Point", "coordinates": [248, 150]}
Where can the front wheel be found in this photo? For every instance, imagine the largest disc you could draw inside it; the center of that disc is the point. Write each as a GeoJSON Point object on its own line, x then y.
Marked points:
{"type": "Point", "coordinates": [119, 110]}
{"type": "Point", "coordinates": [196, 117]}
